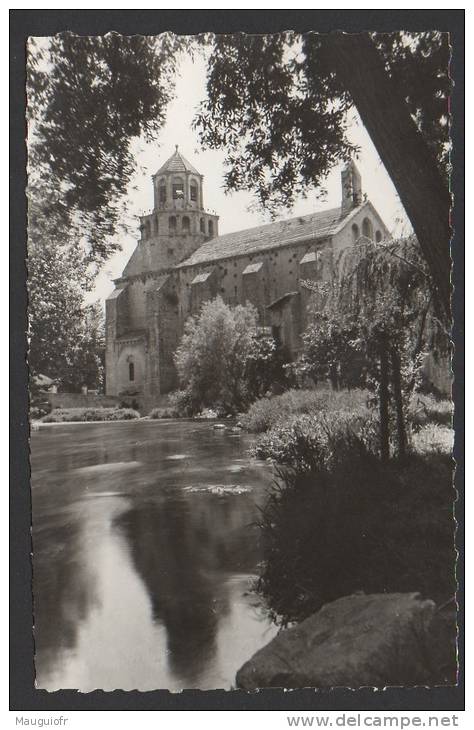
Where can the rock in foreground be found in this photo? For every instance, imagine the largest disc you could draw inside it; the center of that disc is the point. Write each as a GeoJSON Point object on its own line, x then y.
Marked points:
{"type": "Point", "coordinates": [360, 640]}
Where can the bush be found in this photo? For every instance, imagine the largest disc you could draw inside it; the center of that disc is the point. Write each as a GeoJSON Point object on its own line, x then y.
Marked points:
{"type": "Point", "coordinates": [358, 525]}
{"type": "Point", "coordinates": [61, 415]}
{"type": "Point", "coordinates": [272, 410]}
{"type": "Point", "coordinates": [164, 412]}
{"type": "Point", "coordinates": [314, 442]}
{"type": "Point", "coordinates": [38, 411]}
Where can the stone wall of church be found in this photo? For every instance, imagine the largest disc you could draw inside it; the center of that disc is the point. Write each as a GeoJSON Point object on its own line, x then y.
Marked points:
{"type": "Point", "coordinates": [236, 282]}
{"type": "Point", "coordinates": [365, 223]}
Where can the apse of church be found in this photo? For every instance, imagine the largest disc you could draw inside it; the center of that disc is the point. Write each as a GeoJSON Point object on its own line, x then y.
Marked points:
{"type": "Point", "coordinates": [181, 261]}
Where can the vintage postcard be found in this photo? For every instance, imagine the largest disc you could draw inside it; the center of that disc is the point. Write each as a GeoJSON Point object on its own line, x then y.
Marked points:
{"type": "Point", "coordinates": [240, 360]}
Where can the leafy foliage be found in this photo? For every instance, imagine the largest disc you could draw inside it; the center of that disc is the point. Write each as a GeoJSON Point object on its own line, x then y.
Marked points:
{"type": "Point", "coordinates": [419, 64]}
{"type": "Point", "coordinates": [276, 105]}
{"type": "Point", "coordinates": [89, 97]}
{"type": "Point", "coordinates": [318, 441]}
{"type": "Point", "coordinates": [66, 336]}
{"type": "Point", "coordinates": [283, 128]}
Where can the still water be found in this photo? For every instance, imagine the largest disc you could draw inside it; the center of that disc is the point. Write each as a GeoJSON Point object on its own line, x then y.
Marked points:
{"type": "Point", "coordinates": [144, 552]}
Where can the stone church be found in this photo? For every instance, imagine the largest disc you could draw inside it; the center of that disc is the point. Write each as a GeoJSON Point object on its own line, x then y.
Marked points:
{"type": "Point", "coordinates": [181, 261]}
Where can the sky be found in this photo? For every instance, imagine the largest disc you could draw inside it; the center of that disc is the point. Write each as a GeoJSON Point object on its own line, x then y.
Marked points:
{"type": "Point", "coordinates": [234, 209]}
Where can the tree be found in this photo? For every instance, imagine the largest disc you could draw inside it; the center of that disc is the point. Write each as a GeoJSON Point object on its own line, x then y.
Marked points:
{"type": "Point", "coordinates": [223, 362]}
{"type": "Point", "coordinates": [279, 103]}
{"type": "Point", "coordinates": [64, 333]}
{"type": "Point", "coordinates": [89, 98]}
{"type": "Point", "coordinates": [371, 326]}
{"type": "Point", "coordinates": [83, 363]}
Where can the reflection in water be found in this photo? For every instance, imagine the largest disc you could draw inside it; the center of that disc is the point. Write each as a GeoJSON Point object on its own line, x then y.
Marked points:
{"type": "Point", "coordinates": [140, 580]}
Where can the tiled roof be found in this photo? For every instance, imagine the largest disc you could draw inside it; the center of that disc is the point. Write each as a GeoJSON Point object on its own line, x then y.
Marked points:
{"type": "Point", "coordinates": [281, 233]}
{"type": "Point", "coordinates": [177, 163]}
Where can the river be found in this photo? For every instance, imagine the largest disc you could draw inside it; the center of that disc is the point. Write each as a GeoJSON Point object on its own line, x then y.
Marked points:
{"type": "Point", "coordinates": [144, 554]}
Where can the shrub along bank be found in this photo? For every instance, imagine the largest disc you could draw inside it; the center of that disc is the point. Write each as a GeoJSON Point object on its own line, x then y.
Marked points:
{"type": "Point", "coordinates": [339, 519]}
{"type": "Point", "coordinates": [271, 410]}
{"type": "Point", "coordinates": [62, 415]}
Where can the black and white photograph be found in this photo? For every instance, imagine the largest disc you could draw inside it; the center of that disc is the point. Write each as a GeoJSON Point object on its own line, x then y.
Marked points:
{"type": "Point", "coordinates": [240, 356]}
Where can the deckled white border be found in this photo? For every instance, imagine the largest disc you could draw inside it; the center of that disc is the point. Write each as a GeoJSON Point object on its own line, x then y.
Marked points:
{"type": "Point", "coordinates": [211, 719]}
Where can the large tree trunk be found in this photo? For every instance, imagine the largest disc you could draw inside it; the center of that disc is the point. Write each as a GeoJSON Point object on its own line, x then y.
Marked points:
{"type": "Point", "coordinates": [402, 149]}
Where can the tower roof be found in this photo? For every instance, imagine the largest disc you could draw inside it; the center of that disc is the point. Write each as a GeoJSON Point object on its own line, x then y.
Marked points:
{"type": "Point", "coordinates": [177, 163]}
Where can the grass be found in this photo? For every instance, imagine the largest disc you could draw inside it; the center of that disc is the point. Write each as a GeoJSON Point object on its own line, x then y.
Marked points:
{"type": "Point", "coordinates": [62, 415]}
{"type": "Point", "coordinates": [424, 409]}
{"type": "Point", "coordinates": [433, 439]}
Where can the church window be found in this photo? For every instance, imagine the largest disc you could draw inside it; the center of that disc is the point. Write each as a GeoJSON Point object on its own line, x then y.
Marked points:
{"type": "Point", "coordinates": [172, 223]}
{"type": "Point", "coordinates": [367, 229]}
{"type": "Point", "coordinates": [178, 189]}
{"type": "Point", "coordinates": [193, 190]}
{"type": "Point", "coordinates": [378, 236]}
{"type": "Point", "coordinates": [211, 228]}
{"type": "Point", "coordinates": [202, 226]}
{"type": "Point", "coordinates": [355, 232]}
{"type": "Point", "coordinates": [186, 224]}
{"type": "Point", "coordinates": [235, 290]}
{"type": "Point", "coordinates": [170, 251]}
{"type": "Point", "coordinates": [131, 371]}
{"type": "Point", "coordinates": [162, 196]}
{"type": "Point", "coordinates": [147, 229]}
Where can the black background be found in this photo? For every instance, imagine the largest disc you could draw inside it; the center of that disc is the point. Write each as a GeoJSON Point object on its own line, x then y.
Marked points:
{"type": "Point", "coordinates": [23, 23]}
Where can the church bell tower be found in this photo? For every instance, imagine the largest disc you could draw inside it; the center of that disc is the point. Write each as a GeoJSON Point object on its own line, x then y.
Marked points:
{"type": "Point", "coordinates": [179, 223]}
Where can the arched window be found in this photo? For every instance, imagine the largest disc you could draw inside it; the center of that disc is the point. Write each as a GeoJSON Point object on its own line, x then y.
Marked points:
{"type": "Point", "coordinates": [367, 229]}
{"type": "Point", "coordinates": [162, 189]}
{"type": "Point", "coordinates": [131, 371]}
{"type": "Point", "coordinates": [193, 190]}
{"type": "Point", "coordinates": [156, 224]}
{"type": "Point", "coordinates": [378, 236]}
{"type": "Point", "coordinates": [211, 228]}
{"type": "Point", "coordinates": [178, 188]}
{"type": "Point", "coordinates": [186, 224]}
{"type": "Point", "coordinates": [355, 232]}
{"type": "Point", "coordinates": [147, 229]}
{"type": "Point", "coordinates": [202, 225]}
{"type": "Point", "coordinates": [172, 223]}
